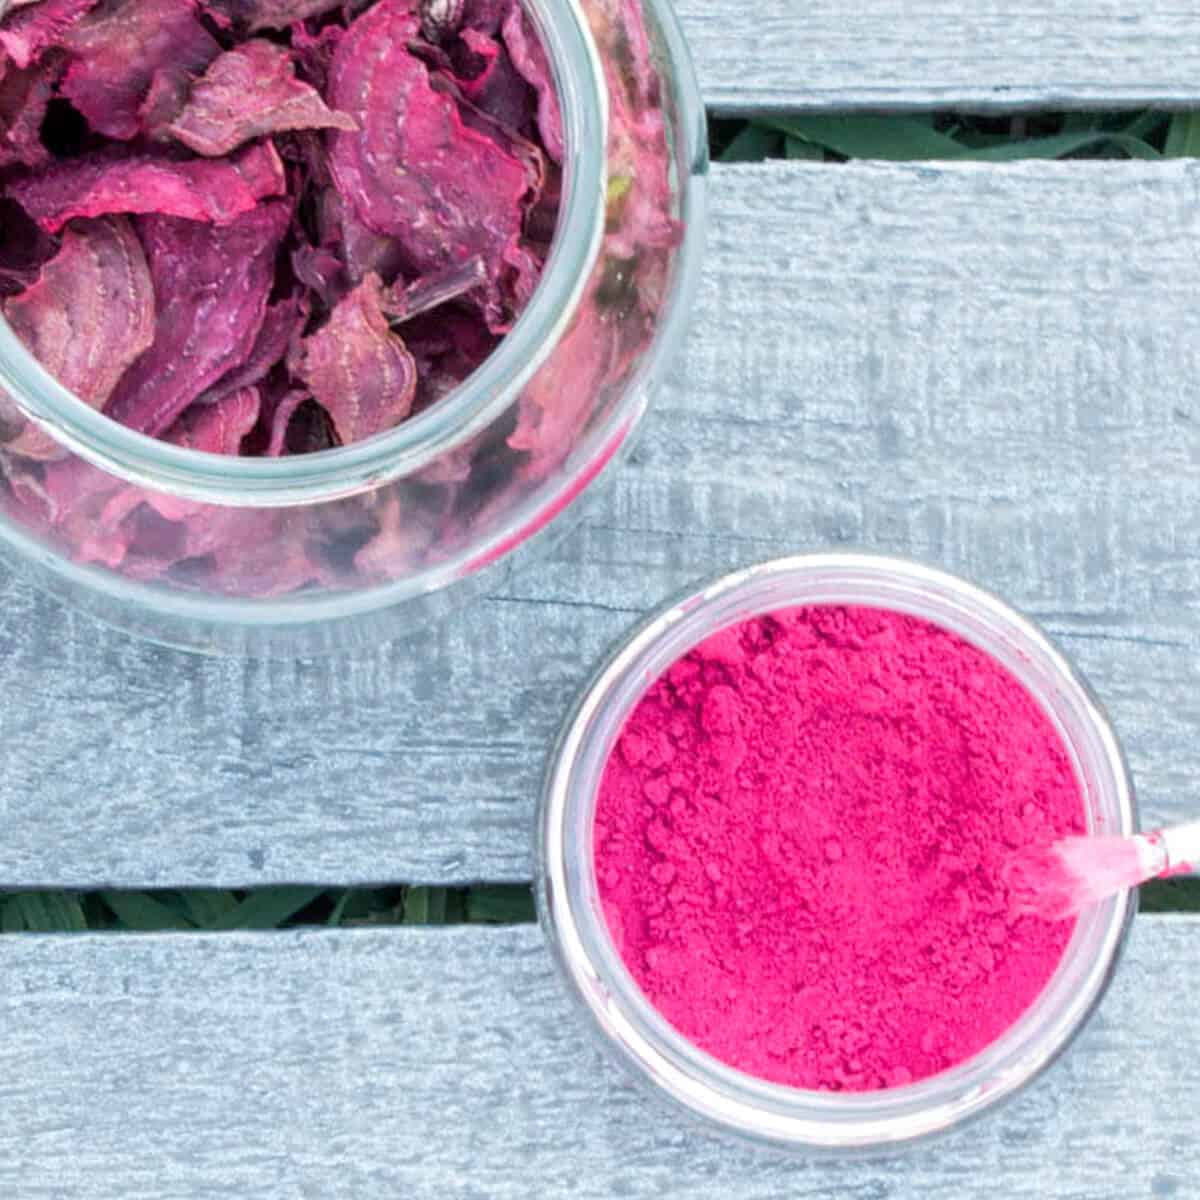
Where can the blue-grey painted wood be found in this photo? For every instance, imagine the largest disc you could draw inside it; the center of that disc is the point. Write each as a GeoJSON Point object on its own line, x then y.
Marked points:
{"type": "Point", "coordinates": [448, 1064]}
{"type": "Point", "coordinates": [990, 368]}
{"type": "Point", "coordinates": [831, 54]}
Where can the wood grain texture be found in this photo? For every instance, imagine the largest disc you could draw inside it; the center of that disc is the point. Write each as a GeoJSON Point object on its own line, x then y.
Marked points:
{"type": "Point", "coordinates": [992, 369]}
{"type": "Point", "coordinates": [447, 1065]}
{"type": "Point", "coordinates": [989, 54]}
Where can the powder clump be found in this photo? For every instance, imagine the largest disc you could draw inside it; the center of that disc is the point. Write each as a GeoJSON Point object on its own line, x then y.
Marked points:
{"type": "Point", "coordinates": [801, 840]}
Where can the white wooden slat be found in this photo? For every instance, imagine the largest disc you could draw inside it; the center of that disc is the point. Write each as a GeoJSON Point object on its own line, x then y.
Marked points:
{"type": "Point", "coordinates": [989, 368]}
{"type": "Point", "coordinates": [986, 54]}
{"type": "Point", "coordinates": [448, 1064]}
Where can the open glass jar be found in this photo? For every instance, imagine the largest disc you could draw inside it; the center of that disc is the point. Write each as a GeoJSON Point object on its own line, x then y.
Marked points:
{"type": "Point", "coordinates": [326, 551]}
{"type": "Point", "coordinates": [623, 1018]}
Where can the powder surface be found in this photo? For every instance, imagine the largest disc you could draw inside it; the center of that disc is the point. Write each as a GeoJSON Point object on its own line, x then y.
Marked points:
{"type": "Point", "coordinates": [800, 847]}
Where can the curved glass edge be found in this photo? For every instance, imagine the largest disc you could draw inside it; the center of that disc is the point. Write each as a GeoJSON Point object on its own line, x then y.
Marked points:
{"type": "Point", "coordinates": [347, 622]}
{"type": "Point", "coordinates": [625, 1022]}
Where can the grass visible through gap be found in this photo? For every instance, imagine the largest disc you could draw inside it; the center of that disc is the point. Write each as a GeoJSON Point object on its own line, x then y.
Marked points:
{"type": "Point", "coordinates": [952, 137]}
{"type": "Point", "coordinates": [212, 910]}
{"type": "Point", "coordinates": [956, 137]}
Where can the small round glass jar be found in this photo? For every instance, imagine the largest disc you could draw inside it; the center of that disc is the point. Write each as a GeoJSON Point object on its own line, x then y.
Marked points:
{"type": "Point", "coordinates": [329, 551]}
{"type": "Point", "coordinates": [622, 1017]}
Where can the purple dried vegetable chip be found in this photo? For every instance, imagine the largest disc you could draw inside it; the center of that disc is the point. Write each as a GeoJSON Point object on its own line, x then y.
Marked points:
{"type": "Point", "coordinates": [474, 62]}
{"type": "Point", "coordinates": [220, 427]}
{"type": "Point", "coordinates": [359, 371]}
{"type": "Point", "coordinates": [86, 318]}
{"type": "Point", "coordinates": [212, 284]}
{"type": "Point", "coordinates": [304, 150]}
{"type": "Point", "coordinates": [554, 407]}
{"type": "Point", "coordinates": [103, 182]}
{"type": "Point", "coordinates": [362, 249]}
{"type": "Point", "coordinates": [449, 346]}
{"type": "Point", "coordinates": [213, 429]}
{"type": "Point", "coordinates": [529, 57]}
{"type": "Point", "coordinates": [403, 303]}
{"type": "Point", "coordinates": [504, 135]}
{"type": "Point", "coordinates": [249, 92]}
{"type": "Point", "coordinates": [280, 328]}
{"type": "Point", "coordinates": [120, 46]}
{"type": "Point", "coordinates": [415, 170]}
{"type": "Point", "coordinates": [256, 15]}
{"type": "Point", "coordinates": [24, 98]}
{"type": "Point", "coordinates": [314, 52]}
{"type": "Point", "coordinates": [280, 418]}
{"type": "Point", "coordinates": [505, 94]}
{"type": "Point", "coordinates": [321, 271]}
{"type": "Point", "coordinates": [486, 15]}
{"type": "Point", "coordinates": [28, 32]}
{"type": "Point", "coordinates": [169, 90]}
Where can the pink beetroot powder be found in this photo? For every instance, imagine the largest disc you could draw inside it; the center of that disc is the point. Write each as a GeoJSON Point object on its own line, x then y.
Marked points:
{"type": "Point", "coordinates": [800, 839]}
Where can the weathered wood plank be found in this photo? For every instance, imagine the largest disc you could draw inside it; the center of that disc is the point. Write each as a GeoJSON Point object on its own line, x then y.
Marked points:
{"type": "Point", "coordinates": [991, 369]}
{"type": "Point", "coordinates": [441, 1064]}
{"type": "Point", "coordinates": [989, 54]}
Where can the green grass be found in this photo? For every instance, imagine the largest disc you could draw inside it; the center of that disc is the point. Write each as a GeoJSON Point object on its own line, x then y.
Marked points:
{"type": "Point", "coordinates": [957, 137]}
{"type": "Point", "coordinates": [814, 138]}
{"type": "Point", "coordinates": [199, 910]}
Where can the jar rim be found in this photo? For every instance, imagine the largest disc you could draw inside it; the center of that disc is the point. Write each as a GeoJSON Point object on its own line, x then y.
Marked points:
{"type": "Point", "coordinates": [469, 408]}
{"type": "Point", "coordinates": [641, 1038]}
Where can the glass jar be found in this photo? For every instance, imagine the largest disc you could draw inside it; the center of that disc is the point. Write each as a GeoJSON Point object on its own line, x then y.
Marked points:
{"type": "Point", "coordinates": [622, 1017]}
{"type": "Point", "coordinates": [326, 551]}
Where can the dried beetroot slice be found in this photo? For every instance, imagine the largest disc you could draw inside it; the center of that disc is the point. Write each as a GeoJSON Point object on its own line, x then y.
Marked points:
{"type": "Point", "coordinates": [486, 15]}
{"type": "Point", "coordinates": [359, 371]}
{"type": "Point", "coordinates": [504, 135]}
{"type": "Point", "coordinates": [530, 59]}
{"type": "Point", "coordinates": [169, 90]}
{"type": "Point", "coordinates": [321, 271]}
{"type": "Point", "coordinates": [281, 418]}
{"type": "Point", "coordinates": [475, 64]}
{"type": "Point", "coordinates": [25, 34]}
{"type": "Point", "coordinates": [555, 404]}
{"type": "Point", "coordinates": [432, 291]}
{"type": "Point", "coordinates": [120, 46]}
{"type": "Point", "coordinates": [249, 92]}
{"type": "Point", "coordinates": [256, 15]}
{"type": "Point", "coordinates": [86, 318]}
{"type": "Point", "coordinates": [362, 250]}
{"type": "Point", "coordinates": [415, 171]}
{"type": "Point", "coordinates": [212, 284]}
{"type": "Point", "coordinates": [280, 328]}
{"type": "Point", "coordinates": [101, 183]}
{"type": "Point", "coordinates": [314, 52]}
{"type": "Point", "coordinates": [24, 98]}
{"type": "Point", "coordinates": [502, 92]}
{"type": "Point", "coordinates": [217, 428]}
